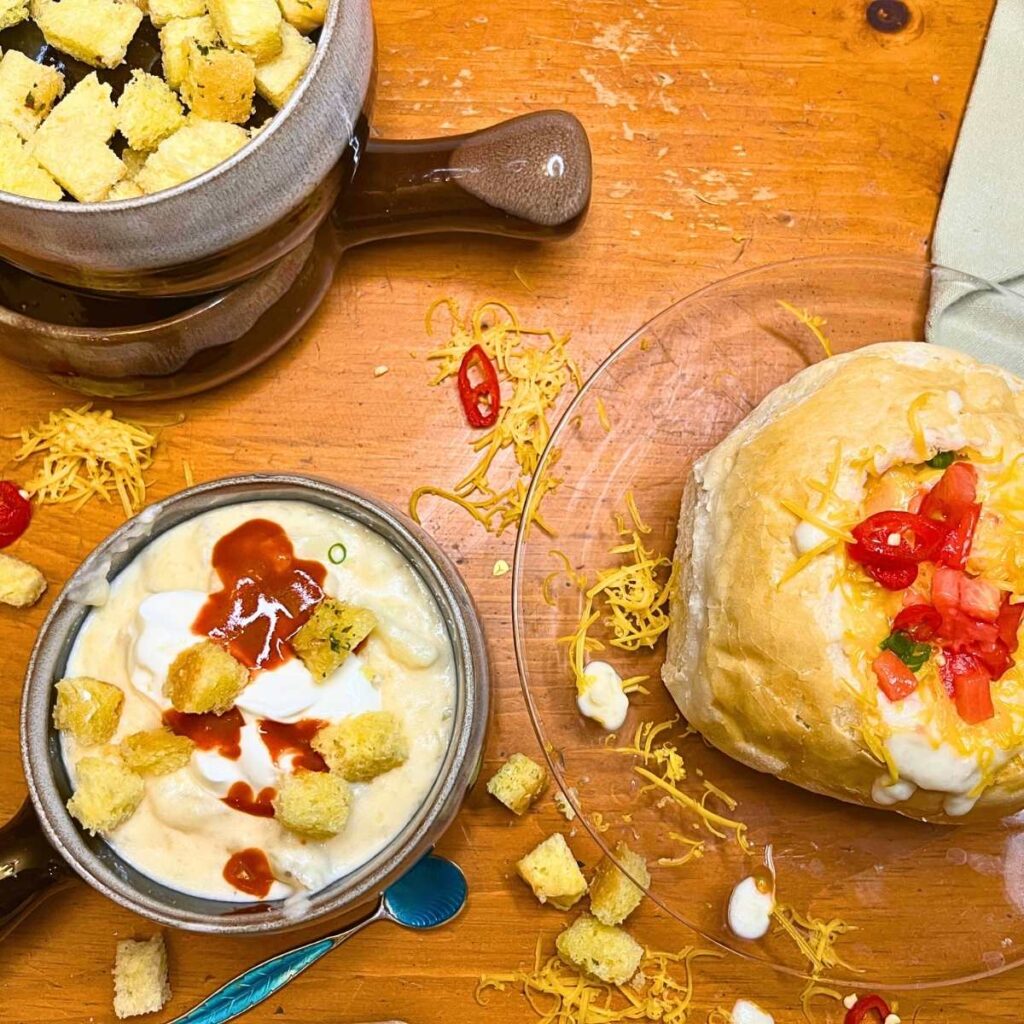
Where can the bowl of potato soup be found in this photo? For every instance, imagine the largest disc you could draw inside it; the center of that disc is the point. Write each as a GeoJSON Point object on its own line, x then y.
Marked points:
{"type": "Point", "coordinates": [254, 705]}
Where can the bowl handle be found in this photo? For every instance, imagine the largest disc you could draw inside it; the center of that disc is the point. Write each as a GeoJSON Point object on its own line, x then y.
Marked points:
{"type": "Point", "coordinates": [529, 177]}
{"type": "Point", "coordinates": [30, 868]}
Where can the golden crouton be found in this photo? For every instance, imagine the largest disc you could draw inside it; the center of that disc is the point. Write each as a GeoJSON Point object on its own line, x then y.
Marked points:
{"type": "Point", "coordinates": [107, 794]}
{"type": "Point", "coordinates": [363, 746]}
{"type": "Point", "coordinates": [147, 112]}
{"type": "Point", "coordinates": [140, 977]}
{"type": "Point", "coordinates": [219, 84]}
{"type": "Point", "coordinates": [163, 11]}
{"type": "Point", "coordinates": [28, 92]}
{"type": "Point", "coordinates": [551, 871]}
{"type": "Point", "coordinates": [600, 951]}
{"type": "Point", "coordinates": [613, 896]}
{"type": "Point", "coordinates": [330, 634]}
{"type": "Point", "coordinates": [21, 584]}
{"type": "Point", "coordinates": [12, 12]}
{"type": "Point", "coordinates": [276, 78]}
{"type": "Point", "coordinates": [134, 160]}
{"type": "Point", "coordinates": [94, 31]}
{"type": "Point", "coordinates": [517, 783]}
{"type": "Point", "coordinates": [189, 152]}
{"type": "Point", "coordinates": [88, 111]}
{"type": "Point", "coordinates": [175, 37]}
{"type": "Point", "coordinates": [204, 677]}
{"type": "Point", "coordinates": [313, 804]}
{"type": "Point", "coordinates": [124, 189]}
{"type": "Point", "coordinates": [305, 15]}
{"type": "Point", "coordinates": [87, 708]}
{"type": "Point", "coordinates": [252, 26]}
{"type": "Point", "coordinates": [156, 751]}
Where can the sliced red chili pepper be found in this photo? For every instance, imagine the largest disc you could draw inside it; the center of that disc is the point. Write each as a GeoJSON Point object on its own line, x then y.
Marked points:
{"type": "Point", "coordinates": [860, 1009]}
{"type": "Point", "coordinates": [890, 537]}
{"type": "Point", "coordinates": [892, 576]}
{"type": "Point", "coordinates": [956, 547]}
{"type": "Point", "coordinates": [15, 513]}
{"type": "Point", "coordinates": [895, 679]}
{"type": "Point", "coordinates": [481, 401]}
{"type": "Point", "coordinates": [921, 622]}
{"type": "Point", "coordinates": [950, 498]}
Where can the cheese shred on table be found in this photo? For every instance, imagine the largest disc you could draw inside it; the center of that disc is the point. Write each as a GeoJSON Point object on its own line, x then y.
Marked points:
{"type": "Point", "coordinates": [815, 324]}
{"type": "Point", "coordinates": [86, 453]}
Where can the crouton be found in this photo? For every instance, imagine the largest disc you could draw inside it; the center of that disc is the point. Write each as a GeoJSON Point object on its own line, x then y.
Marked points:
{"type": "Point", "coordinates": [156, 751]}
{"type": "Point", "coordinates": [141, 984]}
{"type": "Point", "coordinates": [600, 951]}
{"type": "Point", "coordinates": [189, 152]}
{"type": "Point", "coordinates": [305, 15]}
{"type": "Point", "coordinates": [363, 746]}
{"type": "Point", "coordinates": [313, 804]}
{"type": "Point", "coordinates": [252, 26]}
{"type": "Point", "coordinates": [86, 168]}
{"type": "Point", "coordinates": [134, 160]}
{"type": "Point", "coordinates": [87, 110]}
{"type": "Point", "coordinates": [94, 31]}
{"type": "Point", "coordinates": [330, 634]}
{"type": "Point", "coordinates": [551, 871]}
{"type": "Point", "coordinates": [204, 677]}
{"type": "Point", "coordinates": [162, 11]}
{"type": "Point", "coordinates": [175, 37]}
{"type": "Point", "coordinates": [147, 112]}
{"type": "Point", "coordinates": [124, 189]}
{"type": "Point", "coordinates": [219, 84]}
{"type": "Point", "coordinates": [21, 584]}
{"type": "Point", "coordinates": [87, 708]}
{"type": "Point", "coordinates": [28, 91]}
{"type": "Point", "coordinates": [613, 895]}
{"type": "Point", "coordinates": [107, 794]}
{"type": "Point", "coordinates": [517, 783]}
{"type": "Point", "coordinates": [276, 78]}
{"type": "Point", "coordinates": [12, 12]}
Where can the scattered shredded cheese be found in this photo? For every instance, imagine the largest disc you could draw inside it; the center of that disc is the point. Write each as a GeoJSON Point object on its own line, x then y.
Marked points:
{"type": "Point", "coordinates": [816, 939]}
{"type": "Point", "coordinates": [815, 324]}
{"type": "Point", "coordinates": [186, 472]}
{"type": "Point", "coordinates": [535, 376]}
{"type": "Point", "coordinates": [86, 453]}
{"type": "Point", "coordinates": [501, 568]}
{"type": "Point", "coordinates": [602, 415]}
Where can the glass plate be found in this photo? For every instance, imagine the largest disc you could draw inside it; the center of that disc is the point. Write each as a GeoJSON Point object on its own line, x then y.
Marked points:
{"type": "Point", "coordinates": [931, 905]}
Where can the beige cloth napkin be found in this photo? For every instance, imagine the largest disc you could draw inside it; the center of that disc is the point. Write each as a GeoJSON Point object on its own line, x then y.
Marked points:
{"type": "Point", "coordinates": [980, 227]}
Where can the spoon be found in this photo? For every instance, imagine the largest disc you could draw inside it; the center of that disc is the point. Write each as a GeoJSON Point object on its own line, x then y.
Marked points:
{"type": "Point", "coordinates": [430, 894]}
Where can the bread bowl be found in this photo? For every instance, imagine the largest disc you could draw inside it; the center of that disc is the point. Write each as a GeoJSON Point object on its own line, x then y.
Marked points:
{"type": "Point", "coordinates": [776, 626]}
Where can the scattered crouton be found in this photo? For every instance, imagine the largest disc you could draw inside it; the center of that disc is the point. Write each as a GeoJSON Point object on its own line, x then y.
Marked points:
{"type": "Point", "coordinates": [330, 634]}
{"type": "Point", "coordinates": [156, 751]}
{"type": "Point", "coordinates": [600, 951]}
{"type": "Point", "coordinates": [87, 708]}
{"type": "Point", "coordinates": [613, 895]}
{"type": "Point", "coordinates": [313, 804]}
{"type": "Point", "coordinates": [363, 746]}
{"type": "Point", "coordinates": [107, 794]}
{"type": "Point", "coordinates": [563, 806]}
{"type": "Point", "coordinates": [28, 91]}
{"type": "Point", "coordinates": [94, 31]}
{"type": "Point", "coordinates": [196, 148]}
{"type": "Point", "coordinates": [87, 110]}
{"type": "Point", "coordinates": [162, 11]}
{"type": "Point", "coordinates": [252, 26]}
{"type": "Point", "coordinates": [277, 78]}
{"type": "Point", "coordinates": [204, 677]}
{"type": "Point", "coordinates": [12, 12]}
{"type": "Point", "coordinates": [141, 984]}
{"type": "Point", "coordinates": [134, 160]}
{"type": "Point", "coordinates": [551, 871]}
{"type": "Point", "coordinates": [517, 783]}
{"type": "Point", "coordinates": [175, 37]}
{"type": "Point", "coordinates": [21, 584]}
{"type": "Point", "coordinates": [147, 112]}
{"type": "Point", "coordinates": [305, 15]}
{"type": "Point", "coordinates": [219, 84]}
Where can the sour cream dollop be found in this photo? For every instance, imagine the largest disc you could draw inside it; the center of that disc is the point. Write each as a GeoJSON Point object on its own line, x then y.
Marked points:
{"type": "Point", "coordinates": [603, 699]}
{"type": "Point", "coordinates": [750, 909]}
{"type": "Point", "coordinates": [746, 1012]}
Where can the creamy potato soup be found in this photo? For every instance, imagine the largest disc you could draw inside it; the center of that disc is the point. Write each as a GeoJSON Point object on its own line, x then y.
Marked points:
{"type": "Point", "coordinates": [322, 742]}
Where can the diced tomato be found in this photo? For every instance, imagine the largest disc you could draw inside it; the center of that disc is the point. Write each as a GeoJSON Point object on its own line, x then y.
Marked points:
{"type": "Point", "coordinates": [1009, 624]}
{"type": "Point", "coordinates": [980, 599]}
{"type": "Point", "coordinates": [950, 498]}
{"type": "Point", "coordinates": [994, 656]}
{"type": "Point", "coordinates": [898, 537]}
{"type": "Point", "coordinates": [946, 590]}
{"type": "Point", "coordinates": [967, 680]}
{"type": "Point", "coordinates": [895, 679]}
{"type": "Point", "coordinates": [921, 622]}
{"type": "Point", "coordinates": [957, 546]}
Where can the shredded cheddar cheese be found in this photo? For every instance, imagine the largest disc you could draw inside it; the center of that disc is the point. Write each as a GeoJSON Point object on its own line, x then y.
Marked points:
{"type": "Point", "coordinates": [86, 453]}
{"type": "Point", "coordinates": [816, 939]}
{"type": "Point", "coordinates": [815, 324]}
{"type": "Point", "coordinates": [534, 378]}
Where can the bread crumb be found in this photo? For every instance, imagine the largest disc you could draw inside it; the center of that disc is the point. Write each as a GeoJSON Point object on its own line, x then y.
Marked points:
{"type": "Point", "coordinates": [517, 783]}
{"type": "Point", "coordinates": [379, 371]}
{"type": "Point", "coordinates": [141, 984]}
{"type": "Point", "coordinates": [551, 871]}
{"type": "Point", "coordinates": [600, 951]}
{"type": "Point", "coordinates": [21, 584]}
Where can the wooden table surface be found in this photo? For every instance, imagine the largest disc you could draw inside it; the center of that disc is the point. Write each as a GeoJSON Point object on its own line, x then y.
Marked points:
{"type": "Point", "coordinates": [804, 130]}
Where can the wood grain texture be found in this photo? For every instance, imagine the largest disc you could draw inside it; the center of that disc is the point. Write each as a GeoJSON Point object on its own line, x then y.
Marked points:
{"type": "Point", "coordinates": [726, 134]}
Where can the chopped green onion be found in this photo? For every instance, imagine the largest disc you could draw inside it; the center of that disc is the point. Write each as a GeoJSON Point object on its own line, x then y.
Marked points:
{"type": "Point", "coordinates": [941, 460]}
{"type": "Point", "coordinates": [337, 553]}
{"type": "Point", "coordinates": [911, 653]}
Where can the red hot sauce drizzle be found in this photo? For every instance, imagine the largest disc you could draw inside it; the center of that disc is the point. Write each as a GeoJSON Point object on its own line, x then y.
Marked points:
{"type": "Point", "coordinates": [222, 733]}
{"type": "Point", "coordinates": [281, 738]}
{"type": "Point", "coordinates": [266, 597]}
{"type": "Point", "coordinates": [242, 798]}
{"type": "Point", "coordinates": [249, 872]}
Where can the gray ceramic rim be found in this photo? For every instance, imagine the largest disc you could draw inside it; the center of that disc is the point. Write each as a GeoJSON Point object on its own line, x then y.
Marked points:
{"type": "Point", "coordinates": [246, 194]}
{"type": "Point", "coordinates": [97, 863]}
